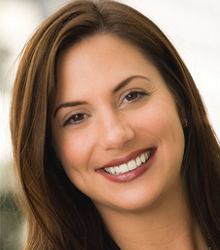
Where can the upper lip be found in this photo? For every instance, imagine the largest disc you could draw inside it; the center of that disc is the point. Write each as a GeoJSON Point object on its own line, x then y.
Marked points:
{"type": "Point", "coordinates": [127, 158]}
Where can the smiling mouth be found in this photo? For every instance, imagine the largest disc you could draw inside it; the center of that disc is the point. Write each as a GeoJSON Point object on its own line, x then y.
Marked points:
{"type": "Point", "coordinates": [130, 165]}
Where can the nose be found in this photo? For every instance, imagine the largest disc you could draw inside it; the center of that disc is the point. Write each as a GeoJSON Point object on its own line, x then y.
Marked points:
{"type": "Point", "coordinates": [115, 131]}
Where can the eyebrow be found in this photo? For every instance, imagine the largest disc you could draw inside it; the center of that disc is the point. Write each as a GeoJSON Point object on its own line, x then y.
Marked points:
{"type": "Point", "coordinates": [117, 88]}
{"type": "Point", "coordinates": [127, 80]}
{"type": "Point", "coordinates": [67, 105]}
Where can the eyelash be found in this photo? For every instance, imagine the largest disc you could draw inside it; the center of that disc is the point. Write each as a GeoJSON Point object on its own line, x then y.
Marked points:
{"type": "Point", "coordinates": [139, 96]}
{"type": "Point", "coordinates": [68, 121]}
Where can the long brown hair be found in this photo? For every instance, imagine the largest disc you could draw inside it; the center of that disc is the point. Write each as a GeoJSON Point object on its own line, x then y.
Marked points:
{"type": "Point", "coordinates": [59, 215]}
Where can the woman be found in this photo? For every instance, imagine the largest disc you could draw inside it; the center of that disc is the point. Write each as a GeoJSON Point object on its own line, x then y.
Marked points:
{"type": "Point", "coordinates": [111, 139]}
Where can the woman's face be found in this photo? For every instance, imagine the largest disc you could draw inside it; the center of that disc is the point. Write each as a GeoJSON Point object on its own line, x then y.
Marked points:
{"type": "Point", "coordinates": [115, 126]}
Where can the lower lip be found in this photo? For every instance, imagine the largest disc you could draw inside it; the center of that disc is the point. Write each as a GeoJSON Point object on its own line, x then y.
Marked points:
{"type": "Point", "coordinates": [131, 175]}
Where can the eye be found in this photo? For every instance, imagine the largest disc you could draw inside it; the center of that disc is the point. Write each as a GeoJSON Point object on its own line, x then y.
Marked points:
{"type": "Point", "coordinates": [75, 119]}
{"type": "Point", "coordinates": [134, 96]}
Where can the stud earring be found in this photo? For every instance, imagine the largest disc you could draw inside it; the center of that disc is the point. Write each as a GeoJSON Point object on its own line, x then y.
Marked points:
{"type": "Point", "coordinates": [185, 123]}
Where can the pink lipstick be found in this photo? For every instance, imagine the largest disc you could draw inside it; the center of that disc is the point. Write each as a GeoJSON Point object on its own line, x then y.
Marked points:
{"type": "Point", "coordinates": [128, 168]}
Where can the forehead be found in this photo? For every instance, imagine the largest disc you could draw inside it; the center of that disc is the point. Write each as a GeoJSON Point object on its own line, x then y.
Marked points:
{"type": "Point", "coordinates": [97, 47]}
{"type": "Point", "coordinates": [99, 58]}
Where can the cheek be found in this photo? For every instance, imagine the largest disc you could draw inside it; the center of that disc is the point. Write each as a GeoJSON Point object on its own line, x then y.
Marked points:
{"type": "Point", "coordinates": [161, 121]}
{"type": "Point", "coordinates": [73, 151]}
{"type": "Point", "coordinates": [166, 128]}
{"type": "Point", "coordinates": [161, 126]}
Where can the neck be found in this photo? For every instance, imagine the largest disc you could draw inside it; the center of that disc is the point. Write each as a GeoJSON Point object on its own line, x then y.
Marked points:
{"type": "Point", "coordinates": [167, 225]}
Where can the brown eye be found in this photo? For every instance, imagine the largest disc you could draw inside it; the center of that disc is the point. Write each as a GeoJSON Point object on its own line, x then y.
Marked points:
{"type": "Point", "coordinates": [131, 96]}
{"type": "Point", "coordinates": [134, 96]}
{"type": "Point", "coordinates": [76, 119]}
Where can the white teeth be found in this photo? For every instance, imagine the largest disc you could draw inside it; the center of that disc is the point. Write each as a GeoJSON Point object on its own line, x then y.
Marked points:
{"type": "Point", "coordinates": [143, 158]}
{"type": "Point", "coordinates": [131, 165]}
{"type": "Point", "coordinates": [124, 168]}
{"type": "Point", "coordinates": [147, 155]}
{"type": "Point", "coordinates": [117, 170]}
{"type": "Point", "coordinates": [138, 161]}
{"type": "Point", "coordinates": [112, 170]}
